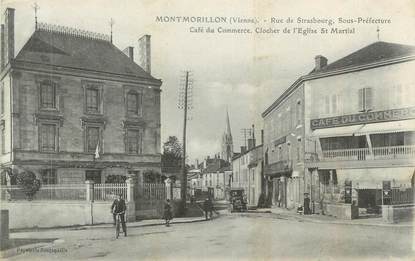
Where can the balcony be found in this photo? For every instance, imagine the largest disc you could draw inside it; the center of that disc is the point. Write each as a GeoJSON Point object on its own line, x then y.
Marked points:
{"type": "Point", "coordinates": [379, 153]}
{"type": "Point", "coordinates": [363, 157]}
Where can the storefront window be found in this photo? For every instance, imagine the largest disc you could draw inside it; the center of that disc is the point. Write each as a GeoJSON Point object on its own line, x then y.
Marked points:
{"type": "Point", "coordinates": [393, 139]}
{"type": "Point", "coordinates": [338, 143]}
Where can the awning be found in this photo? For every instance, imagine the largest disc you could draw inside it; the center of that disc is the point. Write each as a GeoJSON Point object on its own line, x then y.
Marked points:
{"type": "Point", "coordinates": [387, 127]}
{"type": "Point", "coordinates": [337, 131]}
{"type": "Point", "coordinates": [372, 178]}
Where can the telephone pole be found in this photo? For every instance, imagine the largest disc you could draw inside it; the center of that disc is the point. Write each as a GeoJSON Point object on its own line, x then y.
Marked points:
{"type": "Point", "coordinates": [185, 103]}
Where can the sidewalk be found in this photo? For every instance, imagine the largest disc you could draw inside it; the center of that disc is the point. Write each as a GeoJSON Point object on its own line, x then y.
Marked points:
{"type": "Point", "coordinates": [140, 223]}
{"type": "Point", "coordinates": [316, 218]}
{"type": "Point", "coordinates": [41, 237]}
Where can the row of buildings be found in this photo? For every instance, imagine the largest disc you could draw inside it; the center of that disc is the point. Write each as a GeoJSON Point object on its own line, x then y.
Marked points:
{"type": "Point", "coordinates": [346, 123]}
{"type": "Point", "coordinates": [351, 121]}
{"type": "Point", "coordinates": [74, 107]}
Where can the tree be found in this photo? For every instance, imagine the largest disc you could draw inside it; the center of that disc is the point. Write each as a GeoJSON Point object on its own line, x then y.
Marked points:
{"type": "Point", "coordinates": [172, 155]}
{"type": "Point", "coordinates": [172, 147]}
{"type": "Point", "coordinates": [28, 182]}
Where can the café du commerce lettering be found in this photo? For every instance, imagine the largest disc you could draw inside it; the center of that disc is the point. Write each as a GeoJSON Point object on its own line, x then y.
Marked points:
{"type": "Point", "coordinates": [366, 117]}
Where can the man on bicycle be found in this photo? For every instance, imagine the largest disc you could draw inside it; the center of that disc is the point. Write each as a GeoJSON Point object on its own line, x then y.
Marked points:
{"type": "Point", "coordinates": [118, 207]}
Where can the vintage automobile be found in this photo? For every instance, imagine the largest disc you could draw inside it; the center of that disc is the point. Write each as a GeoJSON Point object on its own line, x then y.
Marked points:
{"type": "Point", "coordinates": [237, 201]}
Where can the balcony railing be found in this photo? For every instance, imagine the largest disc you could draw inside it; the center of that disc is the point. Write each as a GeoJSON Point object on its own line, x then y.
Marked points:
{"type": "Point", "coordinates": [390, 152]}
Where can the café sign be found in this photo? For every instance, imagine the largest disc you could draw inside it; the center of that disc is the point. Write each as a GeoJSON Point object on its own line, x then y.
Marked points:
{"type": "Point", "coordinates": [361, 118]}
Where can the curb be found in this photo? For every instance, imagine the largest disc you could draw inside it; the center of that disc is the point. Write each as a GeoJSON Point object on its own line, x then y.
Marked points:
{"type": "Point", "coordinates": [340, 222]}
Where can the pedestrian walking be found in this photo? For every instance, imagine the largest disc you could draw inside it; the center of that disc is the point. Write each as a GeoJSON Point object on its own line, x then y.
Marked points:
{"type": "Point", "coordinates": [168, 214]}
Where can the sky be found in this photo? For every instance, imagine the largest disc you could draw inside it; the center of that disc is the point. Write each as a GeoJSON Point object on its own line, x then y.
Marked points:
{"type": "Point", "coordinates": [243, 73]}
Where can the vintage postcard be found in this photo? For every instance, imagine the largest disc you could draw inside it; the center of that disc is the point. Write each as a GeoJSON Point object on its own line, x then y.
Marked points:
{"type": "Point", "coordinates": [207, 130]}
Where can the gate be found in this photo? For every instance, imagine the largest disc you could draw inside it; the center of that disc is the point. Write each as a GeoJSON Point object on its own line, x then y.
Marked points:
{"type": "Point", "coordinates": [149, 200]}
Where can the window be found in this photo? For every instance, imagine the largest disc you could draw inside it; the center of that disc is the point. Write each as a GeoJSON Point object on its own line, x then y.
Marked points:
{"type": "Point", "coordinates": [2, 99]}
{"type": "Point", "coordinates": [157, 99]}
{"type": "Point", "coordinates": [134, 103]}
{"type": "Point", "coordinates": [365, 99]}
{"type": "Point", "coordinates": [48, 137]}
{"type": "Point", "coordinates": [3, 138]}
{"type": "Point", "coordinates": [49, 176]}
{"type": "Point", "coordinates": [47, 95]}
{"type": "Point", "coordinates": [92, 138]}
{"type": "Point", "coordinates": [92, 100]}
{"type": "Point", "coordinates": [133, 142]}
{"type": "Point", "coordinates": [327, 104]}
{"type": "Point", "coordinates": [298, 112]}
{"type": "Point", "coordinates": [93, 175]}
{"type": "Point", "coordinates": [334, 103]}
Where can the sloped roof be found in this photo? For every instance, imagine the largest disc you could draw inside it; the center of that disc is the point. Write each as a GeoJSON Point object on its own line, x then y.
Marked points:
{"type": "Point", "coordinates": [375, 52]}
{"type": "Point", "coordinates": [79, 52]}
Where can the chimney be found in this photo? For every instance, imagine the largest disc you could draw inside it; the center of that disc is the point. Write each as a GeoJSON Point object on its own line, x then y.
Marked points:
{"type": "Point", "coordinates": [321, 62]}
{"type": "Point", "coordinates": [2, 47]}
{"type": "Point", "coordinates": [243, 149]}
{"type": "Point", "coordinates": [251, 144]}
{"type": "Point", "coordinates": [8, 35]}
{"type": "Point", "coordinates": [129, 51]}
{"type": "Point", "coordinates": [262, 136]}
{"type": "Point", "coordinates": [144, 47]}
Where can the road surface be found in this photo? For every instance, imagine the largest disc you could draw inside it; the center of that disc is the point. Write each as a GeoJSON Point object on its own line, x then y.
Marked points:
{"type": "Point", "coordinates": [250, 236]}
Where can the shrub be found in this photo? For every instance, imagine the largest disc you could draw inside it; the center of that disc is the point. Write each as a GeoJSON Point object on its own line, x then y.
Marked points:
{"type": "Point", "coordinates": [28, 182]}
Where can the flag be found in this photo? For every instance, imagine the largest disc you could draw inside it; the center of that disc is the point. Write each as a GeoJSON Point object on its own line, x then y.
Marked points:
{"type": "Point", "coordinates": [97, 151]}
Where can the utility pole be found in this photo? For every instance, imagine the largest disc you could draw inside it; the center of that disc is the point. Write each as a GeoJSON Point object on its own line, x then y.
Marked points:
{"type": "Point", "coordinates": [185, 102]}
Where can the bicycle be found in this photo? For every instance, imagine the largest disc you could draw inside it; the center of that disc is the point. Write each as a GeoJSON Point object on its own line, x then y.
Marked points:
{"type": "Point", "coordinates": [118, 224]}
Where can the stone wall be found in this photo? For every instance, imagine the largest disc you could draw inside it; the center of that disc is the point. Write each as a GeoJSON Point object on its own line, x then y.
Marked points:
{"type": "Point", "coordinates": [30, 214]}
{"type": "Point", "coordinates": [398, 213]}
{"type": "Point", "coordinates": [341, 210]}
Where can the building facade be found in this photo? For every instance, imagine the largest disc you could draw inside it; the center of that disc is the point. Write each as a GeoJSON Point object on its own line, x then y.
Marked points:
{"type": "Point", "coordinates": [76, 108]}
{"type": "Point", "coordinates": [362, 133]}
{"type": "Point", "coordinates": [358, 134]}
{"type": "Point", "coordinates": [247, 173]}
{"type": "Point", "coordinates": [284, 147]}
{"type": "Point", "coordinates": [213, 178]}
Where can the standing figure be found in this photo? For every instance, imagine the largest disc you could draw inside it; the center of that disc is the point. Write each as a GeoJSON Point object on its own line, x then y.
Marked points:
{"type": "Point", "coordinates": [168, 215]}
{"type": "Point", "coordinates": [118, 207]}
{"type": "Point", "coordinates": [208, 207]}
{"type": "Point", "coordinates": [307, 210]}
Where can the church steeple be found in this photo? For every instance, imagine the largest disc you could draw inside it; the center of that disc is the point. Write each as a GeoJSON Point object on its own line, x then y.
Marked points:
{"type": "Point", "coordinates": [227, 142]}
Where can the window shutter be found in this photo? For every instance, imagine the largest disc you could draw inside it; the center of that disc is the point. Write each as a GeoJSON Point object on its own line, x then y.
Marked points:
{"type": "Point", "coordinates": [368, 98]}
{"type": "Point", "coordinates": [327, 101]}
{"type": "Point", "coordinates": [360, 100]}
{"type": "Point", "coordinates": [334, 103]}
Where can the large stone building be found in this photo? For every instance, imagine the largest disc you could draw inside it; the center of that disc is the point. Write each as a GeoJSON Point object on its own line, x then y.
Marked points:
{"type": "Point", "coordinates": [348, 122]}
{"type": "Point", "coordinates": [74, 107]}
